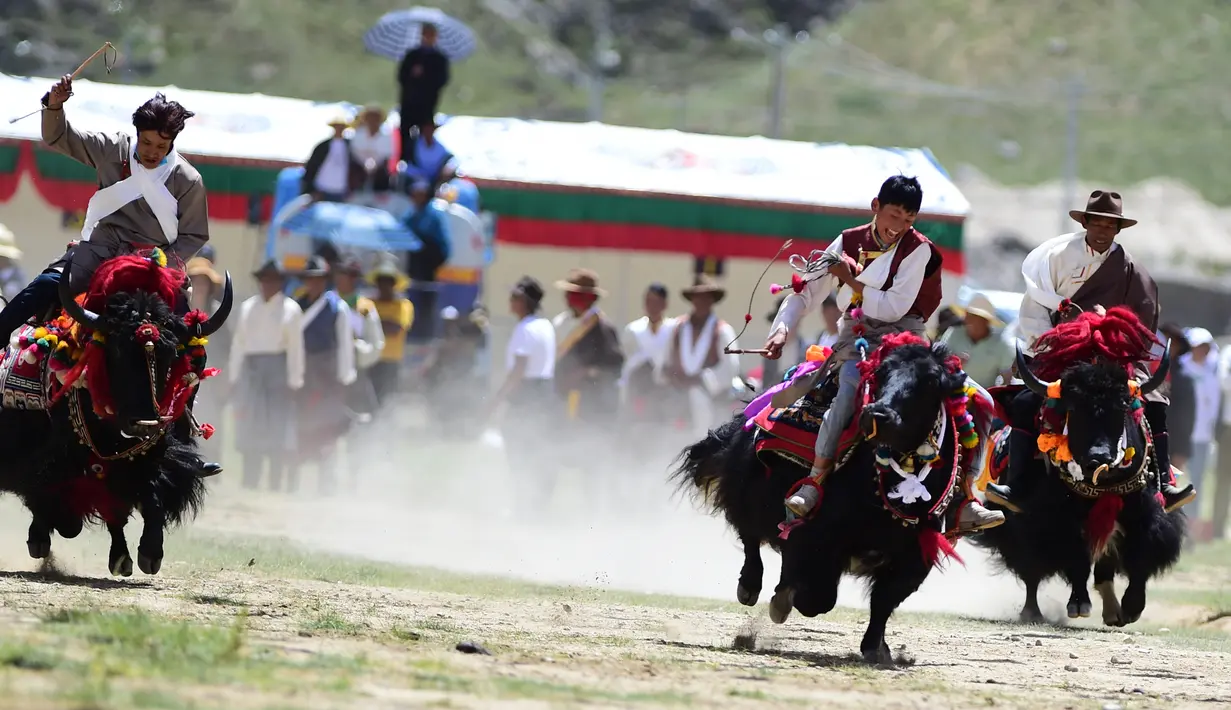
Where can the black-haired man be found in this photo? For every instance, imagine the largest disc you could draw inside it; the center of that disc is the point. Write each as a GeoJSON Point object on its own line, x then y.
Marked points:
{"type": "Point", "coordinates": [148, 196]}
{"type": "Point", "coordinates": [887, 279]}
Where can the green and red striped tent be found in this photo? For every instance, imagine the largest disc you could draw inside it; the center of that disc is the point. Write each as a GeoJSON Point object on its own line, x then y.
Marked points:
{"type": "Point", "coordinates": [573, 185]}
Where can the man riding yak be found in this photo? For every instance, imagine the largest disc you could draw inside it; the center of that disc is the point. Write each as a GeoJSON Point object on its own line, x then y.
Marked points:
{"type": "Point", "coordinates": [1067, 275]}
{"type": "Point", "coordinates": [888, 280]}
{"type": "Point", "coordinates": [149, 196]}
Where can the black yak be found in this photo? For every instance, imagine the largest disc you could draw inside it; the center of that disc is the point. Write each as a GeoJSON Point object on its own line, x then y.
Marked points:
{"type": "Point", "coordinates": [1092, 499]}
{"type": "Point", "coordinates": [884, 509]}
{"type": "Point", "coordinates": [113, 378]}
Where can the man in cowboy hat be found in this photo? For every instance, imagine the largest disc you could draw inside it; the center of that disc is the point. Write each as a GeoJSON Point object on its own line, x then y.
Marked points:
{"type": "Point", "coordinates": [588, 353]}
{"type": "Point", "coordinates": [887, 277]}
{"type": "Point", "coordinates": [697, 365]}
{"type": "Point", "coordinates": [397, 315]}
{"type": "Point", "coordinates": [1089, 270]}
{"type": "Point", "coordinates": [329, 369]}
{"type": "Point", "coordinates": [332, 171]}
{"type": "Point", "coordinates": [267, 357]}
{"type": "Point", "coordinates": [984, 352]}
{"type": "Point", "coordinates": [372, 145]}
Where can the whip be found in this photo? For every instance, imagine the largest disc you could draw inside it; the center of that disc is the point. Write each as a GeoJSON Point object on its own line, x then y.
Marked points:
{"type": "Point", "coordinates": [108, 63]}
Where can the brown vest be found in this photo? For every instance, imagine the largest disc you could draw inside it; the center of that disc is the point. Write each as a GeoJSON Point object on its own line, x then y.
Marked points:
{"type": "Point", "coordinates": [860, 245]}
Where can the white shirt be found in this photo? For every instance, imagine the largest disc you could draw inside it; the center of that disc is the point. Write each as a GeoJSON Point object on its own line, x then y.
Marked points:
{"type": "Point", "coordinates": [566, 322]}
{"type": "Point", "coordinates": [1209, 393]}
{"type": "Point", "coordinates": [533, 338]}
{"type": "Point", "coordinates": [1054, 271]}
{"type": "Point", "coordinates": [827, 339]}
{"type": "Point", "coordinates": [367, 146]}
{"type": "Point", "coordinates": [266, 328]}
{"type": "Point", "coordinates": [332, 177]}
{"type": "Point", "coordinates": [369, 337]}
{"type": "Point", "coordinates": [642, 346]}
{"type": "Point", "coordinates": [888, 305]}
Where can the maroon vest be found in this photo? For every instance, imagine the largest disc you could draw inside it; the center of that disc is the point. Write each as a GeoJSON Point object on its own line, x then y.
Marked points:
{"type": "Point", "coordinates": [859, 244]}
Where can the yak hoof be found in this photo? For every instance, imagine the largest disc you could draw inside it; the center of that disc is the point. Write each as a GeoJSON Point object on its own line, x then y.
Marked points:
{"type": "Point", "coordinates": [1079, 609]}
{"type": "Point", "coordinates": [148, 565]}
{"type": "Point", "coordinates": [780, 605]}
{"type": "Point", "coordinates": [1133, 604]}
{"type": "Point", "coordinates": [1032, 615]}
{"type": "Point", "coordinates": [122, 566]}
{"type": "Point", "coordinates": [746, 596]}
{"type": "Point", "coordinates": [881, 656]}
{"type": "Point", "coordinates": [40, 549]}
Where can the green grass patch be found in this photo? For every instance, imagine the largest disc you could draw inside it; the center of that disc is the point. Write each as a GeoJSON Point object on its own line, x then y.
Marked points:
{"type": "Point", "coordinates": [330, 621]}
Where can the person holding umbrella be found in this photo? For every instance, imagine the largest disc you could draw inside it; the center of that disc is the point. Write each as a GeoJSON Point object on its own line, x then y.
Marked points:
{"type": "Point", "coordinates": [422, 74]}
{"type": "Point", "coordinates": [425, 42]}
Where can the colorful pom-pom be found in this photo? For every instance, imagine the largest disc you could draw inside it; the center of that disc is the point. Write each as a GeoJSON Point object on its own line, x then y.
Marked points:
{"type": "Point", "coordinates": [159, 257]}
{"type": "Point", "coordinates": [747, 317]}
{"type": "Point", "coordinates": [861, 344]}
{"type": "Point", "coordinates": [207, 430]}
{"type": "Point", "coordinates": [1053, 390]}
{"type": "Point", "coordinates": [857, 313]}
{"type": "Point", "coordinates": [797, 283]}
{"type": "Point", "coordinates": [775, 289]}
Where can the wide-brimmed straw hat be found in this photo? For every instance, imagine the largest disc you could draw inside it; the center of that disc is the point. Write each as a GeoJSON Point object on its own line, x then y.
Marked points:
{"type": "Point", "coordinates": [339, 120]}
{"type": "Point", "coordinates": [388, 269]}
{"type": "Point", "coordinates": [200, 266]}
{"type": "Point", "coordinates": [1104, 204]}
{"type": "Point", "coordinates": [704, 285]}
{"type": "Point", "coordinates": [581, 281]}
{"type": "Point", "coordinates": [980, 305]}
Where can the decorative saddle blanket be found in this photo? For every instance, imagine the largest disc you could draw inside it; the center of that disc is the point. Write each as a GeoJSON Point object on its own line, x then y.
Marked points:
{"type": "Point", "coordinates": [23, 372]}
{"type": "Point", "coordinates": [790, 432]}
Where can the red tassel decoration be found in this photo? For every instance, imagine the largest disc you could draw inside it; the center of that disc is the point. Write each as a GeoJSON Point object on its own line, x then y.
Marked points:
{"type": "Point", "coordinates": [1101, 522]}
{"type": "Point", "coordinates": [936, 548]}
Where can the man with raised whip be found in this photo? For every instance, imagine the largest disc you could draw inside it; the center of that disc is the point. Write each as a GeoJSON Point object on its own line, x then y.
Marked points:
{"type": "Point", "coordinates": [148, 196]}
{"type": "Point", "coordinates": [1085, 271]}
{"type": "Point", "coordinates": [887, 277]}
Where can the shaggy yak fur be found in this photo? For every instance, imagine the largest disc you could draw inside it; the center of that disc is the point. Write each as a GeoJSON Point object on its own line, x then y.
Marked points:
{"type": "Point", "coordinates": [851, 530]}
{"type": "Point", "coordinates": [64, 484]}
{"type": "Point", "coordinates": [1059, 532]}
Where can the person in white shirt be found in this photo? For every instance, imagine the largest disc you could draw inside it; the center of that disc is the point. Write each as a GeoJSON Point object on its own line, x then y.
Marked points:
{"type": "Point", "coordinates": [698, 365]}
{"type": "Point", "coordinates": [332, 171]}
{"type": "Point", "coordinates": [372, 146]}
{"type": "Point", "coordinates": [530, 365]}
{"type": "Point", "coordinates": [1201, 364]}
{"type": "Point", "coordinates": [1222, 467]}
{"type": "Point", "coordinates": [646, 343]}
{"type": "Point", "coordinates": [265, 368]}
{"type": "Point", "coordinates": [831, 318]}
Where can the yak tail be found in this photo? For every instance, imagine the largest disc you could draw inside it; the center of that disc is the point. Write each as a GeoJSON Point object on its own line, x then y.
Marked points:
{"type": "Point", "coordinates": [700, 467]}
{"type": "Point", "coordinates": [936, 548]}
{"type": "Point", "coordinates": [1101, 522]}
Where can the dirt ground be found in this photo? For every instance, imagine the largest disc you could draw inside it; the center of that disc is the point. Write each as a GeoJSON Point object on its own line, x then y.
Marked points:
{"type": "Point", "coordinates": [238, 619]}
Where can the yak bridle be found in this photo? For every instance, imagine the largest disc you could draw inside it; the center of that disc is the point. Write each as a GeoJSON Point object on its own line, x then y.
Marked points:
{"type": "Point", "coordinates": [147, 335]}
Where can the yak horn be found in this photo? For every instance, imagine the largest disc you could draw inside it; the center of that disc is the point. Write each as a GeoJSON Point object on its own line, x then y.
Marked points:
{"type": "Point", "coordinates": [1160, 375]}
{"type": "Point", "coordinates": [215, 321]}
{"type": "Point", "coordinates": [1033, 383]}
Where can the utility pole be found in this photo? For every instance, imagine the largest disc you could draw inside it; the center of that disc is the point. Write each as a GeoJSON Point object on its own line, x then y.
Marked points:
{"type": "Point", "coordinates": [777, 40]}
{"type": "Point", "coordinates": [1075, 90]}
{"type": "Point", "coordinates": [603, 58]}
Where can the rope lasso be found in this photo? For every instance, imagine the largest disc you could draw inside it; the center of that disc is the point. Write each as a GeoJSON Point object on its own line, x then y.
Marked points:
{"type": "Point", "coordinates": [109, 61]}
{"type": "Point", "coordinates": [748, 314]}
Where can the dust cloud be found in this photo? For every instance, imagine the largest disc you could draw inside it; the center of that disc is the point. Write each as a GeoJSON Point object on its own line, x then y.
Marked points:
{"type": "Point", "coordinates": [611, 524]}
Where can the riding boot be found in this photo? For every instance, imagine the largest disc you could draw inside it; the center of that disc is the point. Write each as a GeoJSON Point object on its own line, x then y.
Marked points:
{"type": "Point", "coordinates": [208, 468]}
{"type": "Point", "coordinates": [1174, 497]}
{"type": "Point", "coordinates": [973, 517]}
{"type": "Point", "coordinates": [802, 501]}
{"type": "Point", "coordinates": [1022, 452]}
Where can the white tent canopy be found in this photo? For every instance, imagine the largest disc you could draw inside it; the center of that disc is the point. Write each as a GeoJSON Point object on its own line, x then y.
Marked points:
{"type": "Point", "coordinates": [592, 155]}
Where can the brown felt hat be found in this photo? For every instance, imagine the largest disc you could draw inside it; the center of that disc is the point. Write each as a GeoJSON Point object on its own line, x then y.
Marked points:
{"type": "Point", "coordinates": [581, 281]}
{"type": "Point", "coordinates": [1104, 204]}
{"type": "Point", "coordinates": [704, 284]}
